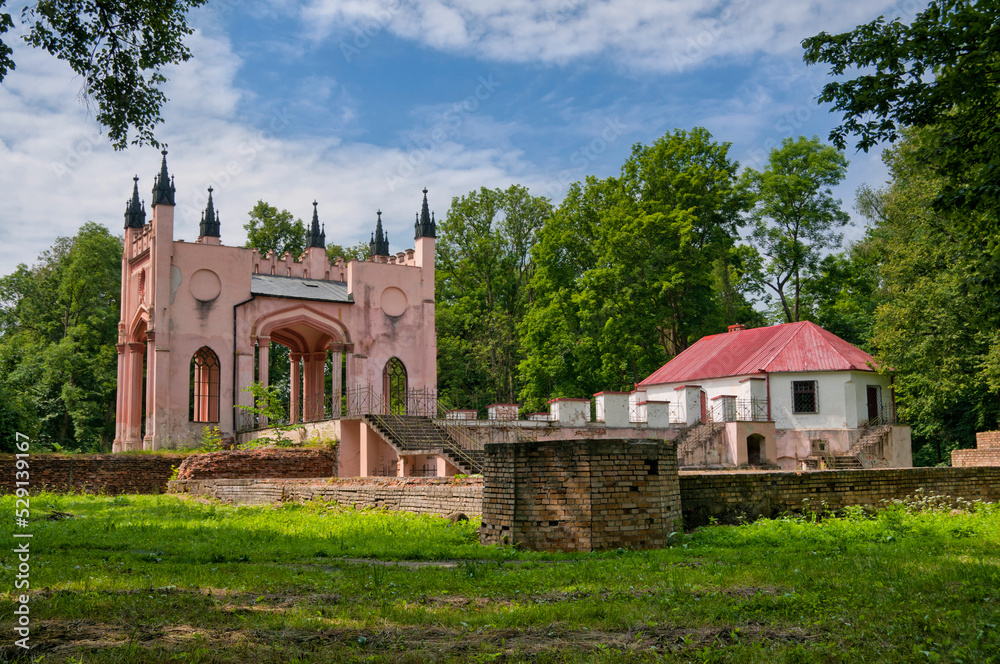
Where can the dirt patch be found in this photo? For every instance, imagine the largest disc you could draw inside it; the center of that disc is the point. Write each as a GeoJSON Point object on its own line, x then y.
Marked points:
{"type": "Point", "coordinates": [64, 638]}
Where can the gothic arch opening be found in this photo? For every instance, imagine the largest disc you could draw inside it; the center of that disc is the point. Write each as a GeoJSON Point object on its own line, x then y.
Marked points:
{"type": "Point", "coordinates": [394, 387]}
{"type": "Point", "coordinates": [205, 386]}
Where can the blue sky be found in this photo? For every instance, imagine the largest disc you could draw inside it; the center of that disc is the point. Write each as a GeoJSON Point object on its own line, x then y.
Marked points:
{"type": "Point", "coordinates": [360, 104]}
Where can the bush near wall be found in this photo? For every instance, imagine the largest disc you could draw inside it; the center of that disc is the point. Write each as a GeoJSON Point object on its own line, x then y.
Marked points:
{"type": "Point", "coordinates": [93, 473]}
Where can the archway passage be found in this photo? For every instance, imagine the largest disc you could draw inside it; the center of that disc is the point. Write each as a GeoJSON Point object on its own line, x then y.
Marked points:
{"type": "Point", "coordinates": [394, 387]}
{"type": "Point", "coordinates": [315, 346]}
{"type": "Point", "coordinates": [755, 449]}
{"type": "Point", "coordinates": [204, 405]}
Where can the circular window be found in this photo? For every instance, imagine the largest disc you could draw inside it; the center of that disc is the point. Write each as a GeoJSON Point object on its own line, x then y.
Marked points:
{"type": "Point", "coordinates": [205, 285]}
{"type": "Point", "coordinates": [393, 301]}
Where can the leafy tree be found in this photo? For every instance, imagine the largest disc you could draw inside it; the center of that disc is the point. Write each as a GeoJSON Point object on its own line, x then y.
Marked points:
{"type": "Point", "coordinates": [483, 271]}
{"type": "Point", "coordinates": [358, 252]}
{"type": "Point", "coordinates": [935, 327]}
{"type": "Point", "coordinates": [940, 70]}
{"type": "Point", "coordinates": [796, 215]}
{"type": "Point", "coordinates": [118, 48]}
{"type": "Point", "coordinates": [271, 230]}
{"type": "Point", "coordinates": [631, 270]}
{"type": "Point", "coordinates": [58, 329]}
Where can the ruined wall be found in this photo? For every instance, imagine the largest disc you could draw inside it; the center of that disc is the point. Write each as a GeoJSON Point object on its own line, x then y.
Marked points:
{"type": "Point", "coordinates": [728, 497]}
{"type": "Point", "coordinates": [93, 473]}
{"type": "Point", "coordinates": [581, 495]}
{"type": "Point", "coordinates": [262, 463]}
{"type": "Point", "coordinates": [986, 454]}
{"type": "Point", "coordinates": [421, 495]}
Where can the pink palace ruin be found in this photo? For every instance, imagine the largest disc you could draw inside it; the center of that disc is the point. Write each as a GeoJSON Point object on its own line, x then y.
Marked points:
{"type": "Point", "coordinates": [200, 322]}
{"type": "Point", "coordinates": [198, 319]}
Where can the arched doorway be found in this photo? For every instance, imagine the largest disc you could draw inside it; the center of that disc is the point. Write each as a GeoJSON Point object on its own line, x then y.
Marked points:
{"type": "Point", "coordinates": [756, 451]}
{"type": "Point", "coordinates": [204, 404]}
{"type": "Point", "coordinates": [394, 387]}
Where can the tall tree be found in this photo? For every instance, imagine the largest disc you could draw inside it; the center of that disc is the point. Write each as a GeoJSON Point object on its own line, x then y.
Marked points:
{"type": "Point", "coordinates": [796, 215]}
{"type": "Point", "coordinates": [939, 70]}
{"type": "Point", "coordinates": [118, 48]}
{"type": "Point", "coordinates": [483, 271]}
{"type": "Point", "coordinates": [58, 329]}
{"type": "Point", "coordinates": [269, 229]}
{"type": "Point", "coordinates": [632, 269]}
{"type": "Point", "coordinates": [936, 326]}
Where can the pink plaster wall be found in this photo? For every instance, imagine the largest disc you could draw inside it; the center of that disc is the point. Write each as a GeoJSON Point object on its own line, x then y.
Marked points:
{"type": "Point", "coordinates": [198, 294]}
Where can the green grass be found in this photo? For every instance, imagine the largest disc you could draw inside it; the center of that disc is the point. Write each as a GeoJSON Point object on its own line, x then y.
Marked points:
{"type": "Point", "coordinates": [158, 578]}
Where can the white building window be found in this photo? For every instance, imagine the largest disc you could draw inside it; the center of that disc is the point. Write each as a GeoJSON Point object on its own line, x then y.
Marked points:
{"type": "Point", "coordinates": [804, 396]}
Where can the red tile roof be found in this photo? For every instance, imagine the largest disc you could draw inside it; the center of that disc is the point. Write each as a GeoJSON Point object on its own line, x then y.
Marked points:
{"type": "Point", "coordinates": [801, 346]}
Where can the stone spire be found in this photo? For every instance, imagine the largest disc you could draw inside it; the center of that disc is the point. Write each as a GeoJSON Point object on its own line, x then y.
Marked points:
{"type": "Point", "coordinates": [317, 237]}
{"type": "Point", "coordinates": [425, 226]}
{"type": "Point", "coordinates": [135, 214]}
{"type": "Point", "coordinates": [379, 245]}
{"type": "Point", "coordinates": [209, 219]}
{"type": "Point", "coordinates": [163, 185]}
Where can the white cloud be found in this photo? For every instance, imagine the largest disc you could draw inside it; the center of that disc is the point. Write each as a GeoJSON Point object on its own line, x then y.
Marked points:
{"type": "Point", "coordinates": [57, 171]}
{"type": "Point", "coordinates": [662, 36]}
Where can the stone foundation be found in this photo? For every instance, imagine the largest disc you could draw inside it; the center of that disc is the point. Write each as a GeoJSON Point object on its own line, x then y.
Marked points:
{"type": "Point", "coordinates": [431, 495]}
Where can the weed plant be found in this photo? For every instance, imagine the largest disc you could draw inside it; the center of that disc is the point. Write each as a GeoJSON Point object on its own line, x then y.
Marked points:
{"type": "Point", "coordinates": [159, 578]}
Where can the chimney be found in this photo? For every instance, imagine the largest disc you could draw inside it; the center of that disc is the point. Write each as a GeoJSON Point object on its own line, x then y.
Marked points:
{"type": "Point", "coordinates": [737, 328]}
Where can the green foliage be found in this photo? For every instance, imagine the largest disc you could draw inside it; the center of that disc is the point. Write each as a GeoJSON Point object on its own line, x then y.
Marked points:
{"type": "Point", "coordinates": [58, 329]}
{"type": "Point", "coordinates": [631, 270]}
{"type": "Point", "coordinates": [795, 216]}
{"type": "Point", "coordinates": [268, 402]}
{"type": "Point", "coordinates": [358, 252]}
{"type": "Point", "coordinates": [211, 439]}
{"type": "Point", "coordinates": [118, 49]}
{"type": "Point", "coordinates": [935, 324]}
{"type": "Point", "coordinates": [939, 71]}
{"type": "Point", "coordinates": [483, 268]}
{"type": "Point", "coordinates": [269, 229]}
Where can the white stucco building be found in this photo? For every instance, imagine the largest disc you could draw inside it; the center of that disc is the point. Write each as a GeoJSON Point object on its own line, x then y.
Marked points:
{"type": "Point", "coordinates": [793, 395]}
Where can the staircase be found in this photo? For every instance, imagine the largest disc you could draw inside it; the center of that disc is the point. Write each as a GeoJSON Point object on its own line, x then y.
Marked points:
{"type": "Point", "coordinates": [863, 447]}
{"type": "Point", "coordinates": [697, 435]}
{"type": "Point", "coordinates": [415, 433]}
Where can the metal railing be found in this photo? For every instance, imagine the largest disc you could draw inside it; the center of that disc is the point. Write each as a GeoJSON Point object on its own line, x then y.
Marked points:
{"type": "Point", "coordinates": [751, 410]}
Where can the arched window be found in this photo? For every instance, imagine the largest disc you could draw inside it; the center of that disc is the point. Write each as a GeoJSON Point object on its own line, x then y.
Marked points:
{"type": "Point", "coordinates": [394, 386]}
{"type": "Point", "coordinates": [205, 386]}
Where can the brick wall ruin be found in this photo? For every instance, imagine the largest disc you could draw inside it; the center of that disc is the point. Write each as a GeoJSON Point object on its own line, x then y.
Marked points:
{"type": "Point", "coordinates": [421, 495]}
{"type": "Point", "coordinates": [93, 473]}
{"type": "Point", "coordinates": [581, 495]}
{"type": "Point", "coordinates": [987, 452]}
{"type": "Point", "coordinates": [730, 497]}
{"type": "Point", "coordinates": [262, 463]}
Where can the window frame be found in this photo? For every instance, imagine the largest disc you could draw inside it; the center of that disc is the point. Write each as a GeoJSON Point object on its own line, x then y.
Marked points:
{"type": "Point", "coordinates": [815, 395]}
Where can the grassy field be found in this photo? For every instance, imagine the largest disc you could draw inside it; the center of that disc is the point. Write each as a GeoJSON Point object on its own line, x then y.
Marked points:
{"type": "Point", "coordinates": [159, 578]}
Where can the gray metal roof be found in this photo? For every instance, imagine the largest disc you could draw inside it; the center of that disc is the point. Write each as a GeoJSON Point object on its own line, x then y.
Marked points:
{"type": "Point", "coordinates": [299, 288]}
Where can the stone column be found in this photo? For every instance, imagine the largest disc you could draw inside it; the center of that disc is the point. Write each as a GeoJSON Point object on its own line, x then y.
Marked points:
{"type": "Point", "coordinates": [147, 440]}
{"type": "Point", "coordinates": [263, 350]}
{"type": "Point", "coordinates": [119, 442]}
{"type": "Point", "coordinates": [335, 382]}
{"type": "Point", "coordinates": [294, 405]}
{"type": "Point", "coordinates": [133, 398]}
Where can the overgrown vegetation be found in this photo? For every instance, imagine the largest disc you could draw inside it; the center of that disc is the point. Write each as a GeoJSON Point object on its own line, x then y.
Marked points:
{"type": "Point", "coordinates": [155, 578]}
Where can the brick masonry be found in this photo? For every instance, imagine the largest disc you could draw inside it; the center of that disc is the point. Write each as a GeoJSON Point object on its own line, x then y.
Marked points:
{"type": "Point", "coordinates": [260, 464]}
{"type": "Point", "coordinates": [422, 495]}
{"type": "Point", "coordinates": [93, 473]}
{"type": "Point", "coordinates": [728, 497]}
{"type": "Point", "coordinates": [986, 454]}
{"type": "Point", "coordinates": [581, 495]}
